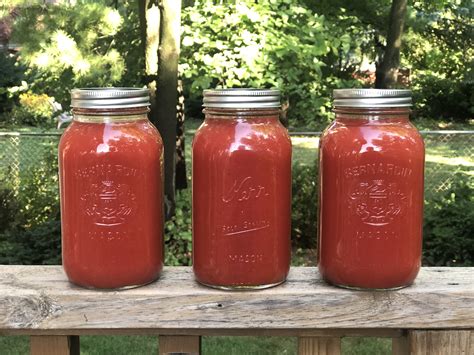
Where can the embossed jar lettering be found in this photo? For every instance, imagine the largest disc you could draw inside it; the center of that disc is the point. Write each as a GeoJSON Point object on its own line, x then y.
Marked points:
{"type": "Point", "coordinates": [371, 191]}
{"type": "Point", "coordinates": [244, 192]}
{"type": "Point", "coordinates": [241, 191]}
{"type": "Point", "coordinates": [110, 161]}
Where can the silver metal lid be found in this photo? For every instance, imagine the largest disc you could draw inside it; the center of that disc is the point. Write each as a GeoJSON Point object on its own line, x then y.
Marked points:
{"type": "Point", "coordinates": [372, 98]}
{"type": "Point", "coordinates": [242, 98]}
{"type": "Point", "coordinates": [109, 98]}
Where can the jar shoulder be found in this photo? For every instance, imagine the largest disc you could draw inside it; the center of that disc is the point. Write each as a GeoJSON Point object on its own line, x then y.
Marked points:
{"type": "Point", "coordinates": [85, 136]}
{"type": "Point", "coordinates": [222, 135]}
{"type": "Point", "coordinates": [377, 137]}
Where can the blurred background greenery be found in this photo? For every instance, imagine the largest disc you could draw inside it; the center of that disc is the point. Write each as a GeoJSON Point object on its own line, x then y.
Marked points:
{"type": "Point", "coordinates": [306, 48]}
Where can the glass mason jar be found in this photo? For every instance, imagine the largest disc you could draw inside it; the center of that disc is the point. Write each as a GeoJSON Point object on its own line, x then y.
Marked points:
{"type": "Point", "coordinates": [241, 191]}
{"type": "Point", "coordinates": [371, 191]}
{"type": "Point", "coordinates": [111, 183]}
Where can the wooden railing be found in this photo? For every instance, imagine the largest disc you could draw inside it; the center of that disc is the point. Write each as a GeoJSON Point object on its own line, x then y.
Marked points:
{"type": "Point", "coordinates": [433, 316]}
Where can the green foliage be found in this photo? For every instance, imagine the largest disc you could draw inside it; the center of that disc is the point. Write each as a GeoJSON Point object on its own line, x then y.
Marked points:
{"type": "Point", "coordinates": [304, 47]}
{"type": "Point", "coordinates": [71, 46]}
{"type": "Point", "coordinates": [128, 43]}
{"type": "Point", "coordinates": [443, 98]}
{"type": "Point", "coordinates": [9, 207]}
{"type": "Point", "coordinates": [304, 206]}
{"type": "Point", "coordinates": [11, 76]}
{"type": "Point", "coordinates": [33, 110]}
{"type": "Point", "coordinates": [39, 245]}
{"type": "Point", "coordinates": [265, 44]}
{"type": "Point", "coordinates": [178, 232]}
{"type": "Point", "coordinates": [30, 230]}
{"type": "Point", "coordinates": [438, 48]}
{"type": "Point", "coordinates": [449, 224]}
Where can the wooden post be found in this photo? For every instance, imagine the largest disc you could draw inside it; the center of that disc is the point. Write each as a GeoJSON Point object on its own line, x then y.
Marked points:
{"type": "Point", "coordinates": [400, 345]}
{"type": "Point", "coordinates": [54, 345]}
{"type": "Point", "coordinates": [319, 346]}
{"type": "Point", "coordinates": [441, 342]}
{"type": "Point", "coordinates": [180, 344]}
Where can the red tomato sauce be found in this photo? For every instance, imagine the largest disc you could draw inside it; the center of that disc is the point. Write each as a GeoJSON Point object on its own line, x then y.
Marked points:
{"type": "Point", "coordinates": [241, 201]}
{"type": "Point", "coordinates": [371, 196]}
{"type": "Point", "coordinates": [111, 203]}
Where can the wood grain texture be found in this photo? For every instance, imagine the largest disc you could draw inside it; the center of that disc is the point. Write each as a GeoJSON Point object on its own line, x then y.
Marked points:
{"type": "Point", "coordinates": [180, 344]}
{"type": "Point", "coordinates": [319, 346]}
{"type": "Point", "coordinates": [441, 342]}
{"type": "Point", "coordinates": [400, 345]}
{"type": "Point", "coordinates": [39, 300]}
{"type": "Point", "coordinates": [54, 345]}
{"type": "Point", "coordinates": [284, 332]}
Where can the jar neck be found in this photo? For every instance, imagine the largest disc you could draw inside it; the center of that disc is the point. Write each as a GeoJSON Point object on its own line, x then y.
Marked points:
{"type": "Point", "coordinates": [382, 114]}
{"type": "Point", "coordinates": [110, 115]}
{"type": "Point", "coordinates": [233, 114]}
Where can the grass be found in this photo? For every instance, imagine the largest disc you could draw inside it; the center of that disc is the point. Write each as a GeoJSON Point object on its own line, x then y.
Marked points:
{"type": "Point", "coordinates": [144, 345]}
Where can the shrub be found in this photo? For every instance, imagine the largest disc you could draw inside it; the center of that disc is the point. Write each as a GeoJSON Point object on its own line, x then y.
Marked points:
{"type": "Point", "coordinates": [449, 225]}
{"type": "Point", "coordinates": [304, 206]}
{"type": "Point", "coordinates": [178, 234]}
{"type": "Point", "coordinates": [11, 77]}
{"type": "Point", "coordinates": [34, 110]}
{"type": "Point", "coordinates": [37, 245]}
{"type": "Point", "coordinates": [30, 231]}
{"type": "Point", "coordinates": [9, 207]}
{"type": "Point", "coordinates": [443, 98]}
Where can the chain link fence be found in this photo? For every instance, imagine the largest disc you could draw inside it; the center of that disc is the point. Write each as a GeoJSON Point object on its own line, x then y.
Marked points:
{"type": "Point", "coordinates": [24, 155]}
{"type": "Point", "coordinates": [449, 154]}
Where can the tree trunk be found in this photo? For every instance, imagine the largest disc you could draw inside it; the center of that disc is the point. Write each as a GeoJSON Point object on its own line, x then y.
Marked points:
{"type": "Point", "coordinates": [387, 68]}
{"type": "Point", "coordinates": [160, 33]}
{"type": "Point", "coordinates": [149, 15]}
{"type": "Point", "coordinates": [181, 181]}
{"type": "Point", "coordinates": [166, 86]}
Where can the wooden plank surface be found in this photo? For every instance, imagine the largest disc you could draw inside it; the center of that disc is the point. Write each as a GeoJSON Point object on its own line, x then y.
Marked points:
{"type": "Point", "coordinates": [179, 344]}
{"type": "Point", "coordinates": [448, 342]}
{"type": "Point", "coordinates": [39, 300]}
{"type": "Point", "coordinates": [400, 345]}
{"type": "Point", "coordinates": [319, 346]}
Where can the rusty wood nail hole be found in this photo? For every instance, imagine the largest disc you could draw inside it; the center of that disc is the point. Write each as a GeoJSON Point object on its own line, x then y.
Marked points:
{"type": "Point", "coordinates": [219, 305]}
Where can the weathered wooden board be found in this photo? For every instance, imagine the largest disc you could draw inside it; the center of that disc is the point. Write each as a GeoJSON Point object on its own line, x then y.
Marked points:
{"type": "Point", "coordinates": [460, 342]}
{"type": "Point", "coordinates": [319, 346]}
{"type": "Point", "coordinates": [180, 344]}
{"type": "Point", "coordinates": [54, 345]}
{"type": "Point", "coordinates": [39, 300]}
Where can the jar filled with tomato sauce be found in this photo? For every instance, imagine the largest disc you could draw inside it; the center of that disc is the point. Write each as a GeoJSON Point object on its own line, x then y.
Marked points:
{"type": "Point", "coordinates": [371, 191]}
{"type": "Point", "coordinates": [241, 186]}
{"type": "Point", "coordinates": [111, 183]}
